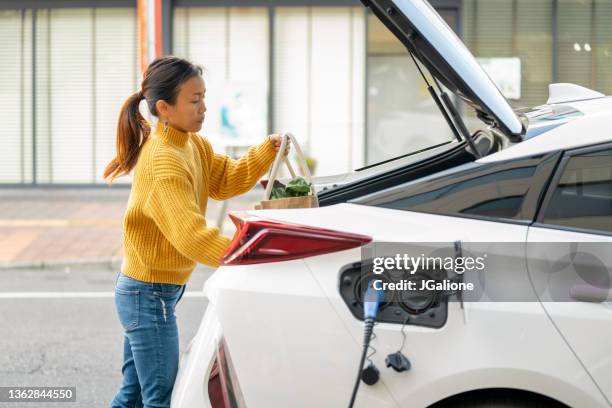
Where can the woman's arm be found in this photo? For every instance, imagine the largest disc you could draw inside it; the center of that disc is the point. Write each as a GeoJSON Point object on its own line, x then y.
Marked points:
{"type": "Point", "coordinates": [230, 177]}
{"type": "Point", "coordinates": [172, 206]}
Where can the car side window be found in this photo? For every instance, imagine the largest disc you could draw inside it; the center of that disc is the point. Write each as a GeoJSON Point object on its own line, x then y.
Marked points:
{"type": "Point", "coordinates": [494, 190]}
{"type": "Point", "coordinates": [583, 196]}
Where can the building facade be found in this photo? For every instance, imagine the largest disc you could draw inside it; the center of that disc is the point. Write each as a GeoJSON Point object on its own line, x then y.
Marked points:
{"type": "Point", "coordinates": [325, 70]}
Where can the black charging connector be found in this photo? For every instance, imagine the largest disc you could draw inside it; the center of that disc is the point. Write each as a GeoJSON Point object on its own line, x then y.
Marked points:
{"type": "Point", "coordinates": [398, 361]}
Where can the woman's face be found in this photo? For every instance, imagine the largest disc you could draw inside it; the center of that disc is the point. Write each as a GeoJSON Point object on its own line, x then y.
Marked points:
{"type": "Point", "coordinates": [187, 114]}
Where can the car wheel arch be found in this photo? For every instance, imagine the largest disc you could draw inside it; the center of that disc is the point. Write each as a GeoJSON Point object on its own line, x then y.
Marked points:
{"type": "Point", "coordinates": [482, 398]}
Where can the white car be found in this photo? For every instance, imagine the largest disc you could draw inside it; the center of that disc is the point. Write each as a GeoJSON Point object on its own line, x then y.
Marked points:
{"type": "Point", "coordinates": [284, 326]}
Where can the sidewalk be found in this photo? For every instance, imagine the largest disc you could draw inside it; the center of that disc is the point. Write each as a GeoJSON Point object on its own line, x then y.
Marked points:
{"type": "Point", "coordinates": [49, 227]}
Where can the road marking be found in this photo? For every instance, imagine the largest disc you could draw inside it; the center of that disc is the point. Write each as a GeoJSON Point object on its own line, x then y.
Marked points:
{"type": "Point", "coordinates": [57, 222]}
{"type": "Point", "coordinates": [74, 295]}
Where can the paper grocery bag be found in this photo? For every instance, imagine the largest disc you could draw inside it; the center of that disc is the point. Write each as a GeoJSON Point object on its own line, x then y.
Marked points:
{"type": "Point", "coordinates": [309, 201]}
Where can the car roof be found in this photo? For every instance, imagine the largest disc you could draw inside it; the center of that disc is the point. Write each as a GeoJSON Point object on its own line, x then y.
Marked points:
{"type": "Point", "coordinates": [589, 106]}
{"type": "Point", "coordinates": [586, 130]}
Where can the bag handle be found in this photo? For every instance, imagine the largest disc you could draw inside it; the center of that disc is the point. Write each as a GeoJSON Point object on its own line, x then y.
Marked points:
{"type": "Point", "coordinates": [281, 156]}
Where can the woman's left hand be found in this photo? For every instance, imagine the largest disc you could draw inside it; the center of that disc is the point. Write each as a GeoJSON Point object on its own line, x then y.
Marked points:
{"type": "Point", "coordinates": [276, 139]}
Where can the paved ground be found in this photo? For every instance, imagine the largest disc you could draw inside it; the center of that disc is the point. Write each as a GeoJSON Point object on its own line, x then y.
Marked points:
{"type": "Point", "coordinates": [70, 226]}
{"type": "Point", "coordinates": [51, 338]}
{"type": "Point", "coordinates": [60, 251]}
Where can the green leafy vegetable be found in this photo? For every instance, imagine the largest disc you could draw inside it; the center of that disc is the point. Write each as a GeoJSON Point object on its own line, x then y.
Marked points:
{"type": "Point", "coordinates": [278, 192]}
{"type": "Point", "coordinates": [297, 187]}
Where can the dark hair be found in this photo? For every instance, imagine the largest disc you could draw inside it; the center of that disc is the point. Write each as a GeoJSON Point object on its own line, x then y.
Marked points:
{"type": "Point", "coordinates": [162, 80]}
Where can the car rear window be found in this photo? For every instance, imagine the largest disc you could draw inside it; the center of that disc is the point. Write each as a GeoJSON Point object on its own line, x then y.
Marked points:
{"type": "Point", "coordinates": [495, 190]}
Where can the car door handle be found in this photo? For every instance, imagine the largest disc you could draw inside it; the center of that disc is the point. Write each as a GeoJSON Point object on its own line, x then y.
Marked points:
{"type": "Point", "coordinates": [589, 293]}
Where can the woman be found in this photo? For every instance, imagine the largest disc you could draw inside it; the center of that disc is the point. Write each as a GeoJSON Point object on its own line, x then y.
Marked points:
{"type": "Point", "coordinates": [164, 229]}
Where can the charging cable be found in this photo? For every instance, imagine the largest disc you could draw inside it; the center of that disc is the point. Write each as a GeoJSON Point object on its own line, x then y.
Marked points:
{"type": "Point", "coordinates": [371, 302]}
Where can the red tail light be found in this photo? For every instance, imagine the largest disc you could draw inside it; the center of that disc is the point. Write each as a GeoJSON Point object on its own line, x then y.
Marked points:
{"type": "Point", "coordinates": [258, 241]}
{"type": "Point", "coordinates": [223, 388]}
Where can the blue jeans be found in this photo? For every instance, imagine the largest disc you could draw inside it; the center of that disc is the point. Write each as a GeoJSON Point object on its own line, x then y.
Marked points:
{"type": "Point", "coordinates": [150, 341]}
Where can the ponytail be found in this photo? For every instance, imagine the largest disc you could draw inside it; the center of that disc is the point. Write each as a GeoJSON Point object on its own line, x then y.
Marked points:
{"type": "Point", "coordinates": [130, 128]}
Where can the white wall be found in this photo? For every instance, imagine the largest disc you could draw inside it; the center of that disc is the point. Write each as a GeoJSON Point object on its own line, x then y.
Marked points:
{"type": "Point", "coordinates": [319, 69]}
{"type": "Point", "coordinates": [319, 83]}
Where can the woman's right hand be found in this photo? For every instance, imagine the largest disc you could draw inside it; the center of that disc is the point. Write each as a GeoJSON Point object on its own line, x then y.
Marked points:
{"type": "Point", "coordinates": [277, 139]}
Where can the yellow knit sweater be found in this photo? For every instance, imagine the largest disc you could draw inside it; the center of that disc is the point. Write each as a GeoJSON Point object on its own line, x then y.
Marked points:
{"type": "Point", "coordinates": [164, 229]}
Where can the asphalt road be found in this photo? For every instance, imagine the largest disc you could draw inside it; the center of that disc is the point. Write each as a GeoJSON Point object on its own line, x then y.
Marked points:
{"type": "Point", "coordinates": [60, 328]}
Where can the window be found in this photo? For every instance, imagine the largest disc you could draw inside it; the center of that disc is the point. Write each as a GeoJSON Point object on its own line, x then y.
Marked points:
{"type": "Point", "coordinates": [490, 191]}
{"type": "Point", "coordinates": [524, 29]}
{"type": "Point", "coordinates": [585, 43]}
{"type": "Point", "coordinates": [65, 73]}
{"type": "Point", "coordinates": [583, 196]}
{"type": "Point", "coordinates": [402, 117]}
{"type": "Point", "coordinates": [514, 29]}
{"type": "Point", "coordinates": [316, 72]}
{"type": "Point", "coordinates": [16, 101]}
{"type": "Point", "coordinates": [319, 83]}
{"type": "Point", "coordinates": [231, 44]}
